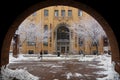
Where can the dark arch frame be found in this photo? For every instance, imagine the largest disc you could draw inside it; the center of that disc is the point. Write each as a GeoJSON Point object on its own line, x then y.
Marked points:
{"type": "Point", "coordinates": [93, 13]}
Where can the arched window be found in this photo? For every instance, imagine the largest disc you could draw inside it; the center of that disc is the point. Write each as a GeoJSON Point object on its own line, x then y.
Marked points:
{"type": "Point", "coordinates": [63, 33]}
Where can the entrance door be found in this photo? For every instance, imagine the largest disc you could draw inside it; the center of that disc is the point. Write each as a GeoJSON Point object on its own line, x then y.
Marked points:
{"type": "Point", "coordinates": [63, 39]}
{"type": "Point", "coordinates": [63, 50]}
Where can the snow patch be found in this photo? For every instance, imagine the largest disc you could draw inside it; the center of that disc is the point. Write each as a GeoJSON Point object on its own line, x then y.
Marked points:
{"type": "Point", "coordinates": [108, 66]}
{"type": "Point", "coordinates": [69, 75]}
{"type": "Point", "coordinates": [56, 66]}
{"type": "Point", "coordinates": [21, 74]}
{"type": "Point", "coordinates": [91, 65]}
{"type": "Point", "coordinates": [77, 74]}
{"type": "Point", "coordinates": [55, 79]}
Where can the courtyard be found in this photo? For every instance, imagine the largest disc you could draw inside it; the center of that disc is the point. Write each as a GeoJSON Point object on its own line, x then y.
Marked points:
{"type": "Point", "coordinates": [66, 67]}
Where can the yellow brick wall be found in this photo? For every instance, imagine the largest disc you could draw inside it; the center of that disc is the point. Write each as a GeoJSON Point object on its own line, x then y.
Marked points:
{"type": "Point", "coordinates": [54, 22]}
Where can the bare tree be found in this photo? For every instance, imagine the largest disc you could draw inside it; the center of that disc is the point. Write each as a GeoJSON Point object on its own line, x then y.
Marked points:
{"type": "Point", "coordinates": [31, 31]}
{"type": "Point", "coordinates": [89, 29]}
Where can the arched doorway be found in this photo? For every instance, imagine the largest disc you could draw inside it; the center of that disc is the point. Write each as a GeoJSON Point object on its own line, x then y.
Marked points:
{"type": "Point", "coordinates": [93, 13]}
{"type": "Point", "coordinates": [62, 39]}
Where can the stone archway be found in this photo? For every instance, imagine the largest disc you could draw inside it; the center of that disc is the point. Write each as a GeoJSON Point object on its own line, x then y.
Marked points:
{"type": "Point", "coordinates": [93, 13]}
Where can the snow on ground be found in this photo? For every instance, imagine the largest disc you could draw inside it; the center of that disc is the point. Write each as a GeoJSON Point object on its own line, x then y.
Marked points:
{"type": "Point", "coordinates": [55, 66]}
{"type": "Point", "coordinates": [35, 57]}
{"type": "Point", "coordinates": [105, 63]}
{"type": "Point", "coordinates": [77, 74]}
{"type": "Point", "coordinates": [69, 75]}
{"type": "Point", "coordinates": [22, 57]}
{"type": "Point", "coordinates": [21, 74]}
{"type": "Point", "coordinates": [55, 79]}
{"type": "Point", "coordinates": [87, 58]}
{"type": "Point", "coordinates": [108, 65]}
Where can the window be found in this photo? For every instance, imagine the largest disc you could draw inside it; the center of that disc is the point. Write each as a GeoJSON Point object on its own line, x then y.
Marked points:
{"type": "Point", "coordinates": [45, 28]}
{"type": "Point", "coordinates": [69, 13]}
{"type": "Point", "coordinates": [63, 33]}
{"type": "Point", "coordinates": [46, 32]}
{"type": "Point", "coordinates": [95, 43]}
{"type": "Point", "coordinates": [45, 43]}
{"type": "Point", "coordinates": [31, 43]}
{"type": "Point", "coordinates": [79, 12]}
{"type": "Point", "coordinates": [75, 41]}
{"type": "Point", "coordinates": [67, 49]}
{"type": "Point", "coordinates": [45, 12]}
{"type": "Point", "coordinates": [63, 13]}
{"type": "Point", "coordinates": [58, 48]}
{"type": "Point", "coordinates": [50, 39]}
{"type": "Point", "coordinates": [50, 30]}
{"type": "Point", "coordinates": [45, 40]}
{"type": "Point", "coordinates": [56, 13]}
{"type": "Point", "coordinates": [80, 42]}
{"type": "Point", "coordinates": [45, 52]}
{"type": "Point", "coordinates": [30, 52]}
{"type": "Point", "coordinates": [105, 41]}
{"type": "Point", "coordinates": [72, 34]}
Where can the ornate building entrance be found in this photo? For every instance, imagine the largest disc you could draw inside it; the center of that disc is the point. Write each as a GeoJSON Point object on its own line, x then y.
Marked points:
{"type": "Point", "coordinates": [62, 40]}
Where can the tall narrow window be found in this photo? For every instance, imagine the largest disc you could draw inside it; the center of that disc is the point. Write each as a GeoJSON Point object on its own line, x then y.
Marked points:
{"type": "Point", "coordinates": [45, 28]}
{"type": "Point", "coordinates": [45, 12]}
{"type": "Point", "coordinates": [80, 42]}
{"type": "Point", "coordinates": [56, 13]}
{"type": "Point", "coordinates": [30, 51]}
{"type": "Point", "coordinates": [69, 13]}
{"type": "Point", "coordinates": [50, 32]}
{"type": "Point", "coordinates": [75, 41]}
{"type": "Point", "coordinates": [63, 13]}
{"type": "Point", "coordinates": [79, 12]}
{"type": "Point", "coordinates": [45, 39]}
{"type": "Point", "coordinates": [95, 42]}
{"type": "Point", "coordinates": [50, 39]}
{"type": "Point", "coordinates": [105, 41]}
{"type": "Point", "coordinates": [72, 34]}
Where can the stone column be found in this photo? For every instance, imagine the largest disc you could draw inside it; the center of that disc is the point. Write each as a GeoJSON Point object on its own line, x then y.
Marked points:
{"type": "Point", "coordinates": [16, 45]}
